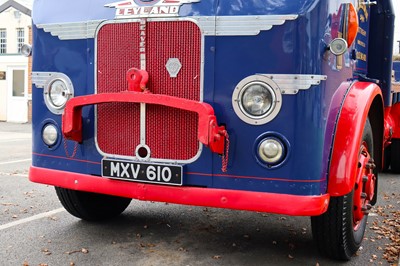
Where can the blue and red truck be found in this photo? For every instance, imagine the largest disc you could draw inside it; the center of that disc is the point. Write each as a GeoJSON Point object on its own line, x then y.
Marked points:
{"type": "Point", "coordinates": [272, 106]}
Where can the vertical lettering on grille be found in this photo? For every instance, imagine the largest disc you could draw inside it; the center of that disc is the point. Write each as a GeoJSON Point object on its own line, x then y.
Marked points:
{"type": "Point", "coordinates": [142, 44]}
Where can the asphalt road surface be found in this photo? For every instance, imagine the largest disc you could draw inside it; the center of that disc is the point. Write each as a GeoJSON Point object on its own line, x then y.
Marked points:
{"type": "Point", "coordinates": [36, 230]}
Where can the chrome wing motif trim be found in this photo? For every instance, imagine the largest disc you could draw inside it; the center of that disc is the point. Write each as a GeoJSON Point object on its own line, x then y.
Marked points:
{"type": "Point", "coordinates": [292, 84]}
{"type": "Point", "coordinates": [240, 25]}
{"type": "Point", "coordinates": [39, 79]}
{"type": "Point", "coordinates": [73, 30]}
{"type": "Point", "coordinates": [210, 26]}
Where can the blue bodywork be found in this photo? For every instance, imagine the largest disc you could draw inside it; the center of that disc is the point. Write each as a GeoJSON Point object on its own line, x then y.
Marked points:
{"type": "Point", "coordinates": [396, 68]}
{"type": "Point", "coordinates": [306, 120]}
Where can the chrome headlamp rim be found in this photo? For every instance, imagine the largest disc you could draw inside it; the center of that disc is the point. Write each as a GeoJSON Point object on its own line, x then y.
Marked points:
{"type": "Point", "coordinates": [69, 92]}
{"type": "Point", "coordinates": [268, 84]}
{"type": "Point", "coordinates": [248, 87]}
{"type": "Point", "coordinates": [279, 138]}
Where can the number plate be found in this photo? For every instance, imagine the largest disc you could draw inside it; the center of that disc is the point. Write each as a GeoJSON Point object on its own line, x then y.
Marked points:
{"type": "Point", "coordinates": [142, 172]}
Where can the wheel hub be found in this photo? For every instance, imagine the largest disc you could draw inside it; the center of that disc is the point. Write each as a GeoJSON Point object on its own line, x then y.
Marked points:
{"type": "Point", "coordinates": [364, 186]}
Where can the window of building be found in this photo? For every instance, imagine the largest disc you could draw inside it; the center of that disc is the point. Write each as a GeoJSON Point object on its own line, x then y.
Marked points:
{"type": "Point", "coordinates": [3, 41]}
{"type": "Point", "coordinates": [18, 83]}
{"type": "Point", "coordinates": [20, 38]}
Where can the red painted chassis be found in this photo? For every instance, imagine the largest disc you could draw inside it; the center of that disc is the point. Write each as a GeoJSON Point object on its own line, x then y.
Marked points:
{"type": "Point", "coordinates": [219, 198]}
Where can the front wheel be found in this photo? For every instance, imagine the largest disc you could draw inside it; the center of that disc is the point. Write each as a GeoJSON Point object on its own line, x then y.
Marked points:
{"type": "Point", "coordinates": [91, 206]}
{"type": "Point", "coordinates": [340, 231]}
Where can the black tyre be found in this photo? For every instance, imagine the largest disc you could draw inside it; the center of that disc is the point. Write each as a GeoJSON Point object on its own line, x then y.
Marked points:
{"type": "Point", "coordinates": [91, 206]}
{"type": "Point", "coordinates": [395, 156]}
{"type": "Point", "coordinates": [340, 231]}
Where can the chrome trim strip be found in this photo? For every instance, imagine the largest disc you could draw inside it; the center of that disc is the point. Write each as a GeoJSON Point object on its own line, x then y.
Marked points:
{"type": "Point", "coordinates": [143, 124]}
{"type": "Point", "coordinates": [73, 30]}
{"type": "Point", "coordinates": [240, 25]}
{"type": "Point", "coordinates": [210, 26]}
{"type": "Point", "coordinates": [292, 84]}
{"type": "Point", "coordinates": [143, 53]}
{"type": "Point", "coordinates": [39, 79]}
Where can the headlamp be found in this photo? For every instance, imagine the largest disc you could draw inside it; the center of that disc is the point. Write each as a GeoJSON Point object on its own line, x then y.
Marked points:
{"type": "Point", "coordinates": [256, 100]}
{"type": "Point", "coordinates": [58, 90]}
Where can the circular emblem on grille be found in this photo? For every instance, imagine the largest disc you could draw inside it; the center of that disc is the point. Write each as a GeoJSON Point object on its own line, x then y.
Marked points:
{"type": "Point", "coordinates": [173, 67]}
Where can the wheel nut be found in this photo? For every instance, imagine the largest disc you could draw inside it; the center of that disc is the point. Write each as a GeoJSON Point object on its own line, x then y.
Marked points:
{"type": "Point", "coordinates": [371, 164]}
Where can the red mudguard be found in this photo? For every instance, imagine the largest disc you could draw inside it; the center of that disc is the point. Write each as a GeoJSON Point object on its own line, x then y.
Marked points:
{"type": "Point", "coordinates": [349, 130]}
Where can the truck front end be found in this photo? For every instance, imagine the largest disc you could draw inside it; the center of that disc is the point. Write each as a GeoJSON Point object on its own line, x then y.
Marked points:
{"type": "Point", "coordinates": [230, 104]}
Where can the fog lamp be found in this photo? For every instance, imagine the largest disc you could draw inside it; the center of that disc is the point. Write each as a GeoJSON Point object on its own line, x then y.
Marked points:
{"type": "Point", "coordinates": [271, 151]}
{"type": "Point", "coordinates": [50, 134]}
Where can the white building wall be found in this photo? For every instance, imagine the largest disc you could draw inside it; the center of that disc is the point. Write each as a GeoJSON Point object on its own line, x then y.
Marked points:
{"type": "Point", "coordinates": [11, 19]}
{"type": "Point", "coordinates": [3, 99]}
{"type": "Point", "coordinates": [7, 62]}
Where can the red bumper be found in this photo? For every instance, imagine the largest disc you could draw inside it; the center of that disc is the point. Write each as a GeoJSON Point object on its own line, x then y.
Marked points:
{"type": "Point", "coordinates": [210, 197]}
{"type": "Point", "coordinates": [209, 133]}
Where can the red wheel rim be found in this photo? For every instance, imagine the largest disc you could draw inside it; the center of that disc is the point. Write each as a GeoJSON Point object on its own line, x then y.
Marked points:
{"type": "Point", "coordinates": [364, 187]}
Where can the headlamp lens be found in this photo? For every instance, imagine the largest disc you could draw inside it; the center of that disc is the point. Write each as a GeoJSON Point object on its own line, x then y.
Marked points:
{"type": "Point", "coordinates": [257, 99]}
{"type": "Point", "coordinates": [58, 93]}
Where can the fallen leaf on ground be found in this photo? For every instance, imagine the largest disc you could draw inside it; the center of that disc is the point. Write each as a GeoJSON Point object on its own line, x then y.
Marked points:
{"type": "Point", "coordinates": [389, 228]}
{"type": "Point", "coordinates": [46, 251]}
{"type": "Point", "coordinates": [83, 250]}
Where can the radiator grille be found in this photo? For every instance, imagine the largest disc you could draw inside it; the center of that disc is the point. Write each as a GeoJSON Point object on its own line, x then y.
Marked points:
{"type": "Point", "coordinates": [170, 133]}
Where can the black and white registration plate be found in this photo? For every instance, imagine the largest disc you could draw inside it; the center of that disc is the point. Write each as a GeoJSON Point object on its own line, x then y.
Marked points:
{"type": "Point", "coordinates": [142, 172]}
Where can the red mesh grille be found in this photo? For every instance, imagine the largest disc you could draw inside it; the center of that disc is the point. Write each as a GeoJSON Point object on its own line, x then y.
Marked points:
{"type": "Point", "coordinates": [170, 133]}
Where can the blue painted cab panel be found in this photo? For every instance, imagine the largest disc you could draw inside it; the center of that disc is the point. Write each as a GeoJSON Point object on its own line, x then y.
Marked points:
{"type": "Point", "coordinates": [306, 119]}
